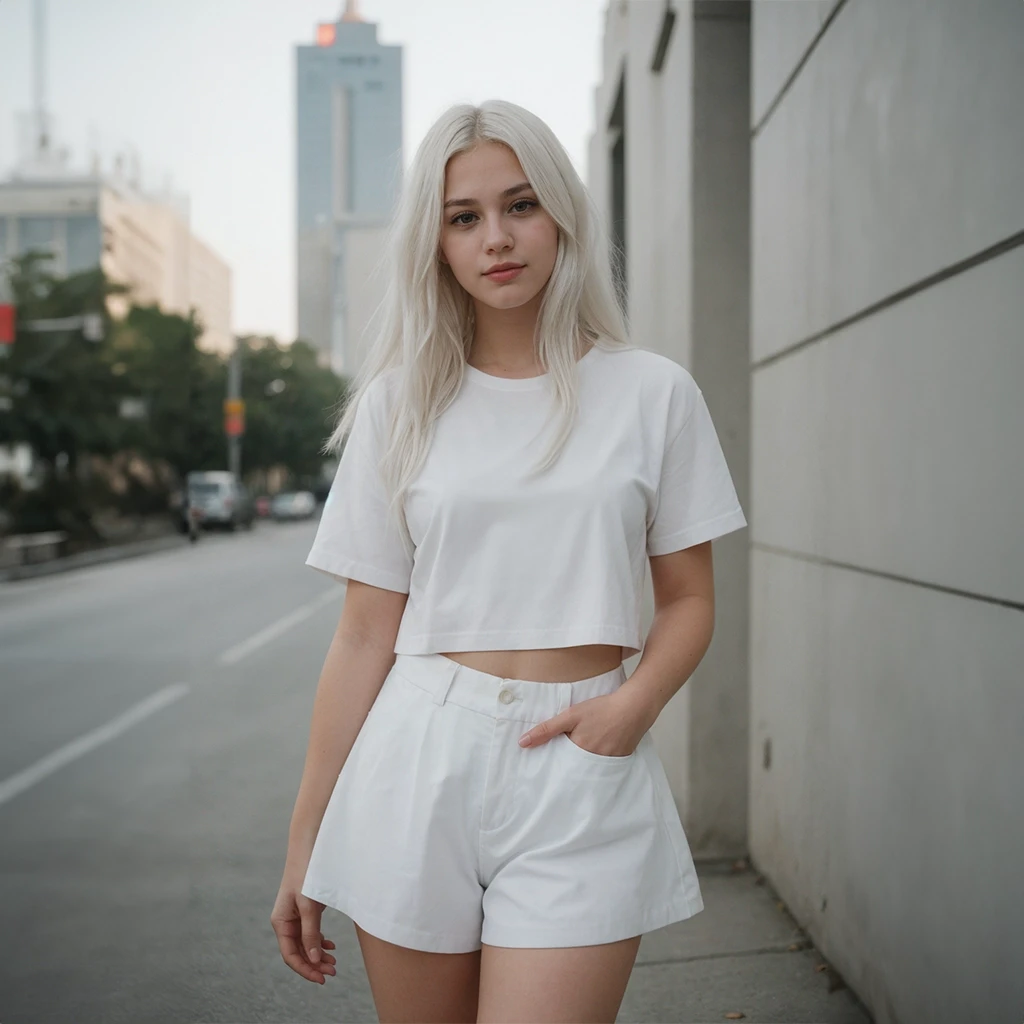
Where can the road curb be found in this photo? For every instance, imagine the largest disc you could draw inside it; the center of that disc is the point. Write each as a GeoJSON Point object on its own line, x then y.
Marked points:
{"type": "Point", "coordinates": [114, 553]}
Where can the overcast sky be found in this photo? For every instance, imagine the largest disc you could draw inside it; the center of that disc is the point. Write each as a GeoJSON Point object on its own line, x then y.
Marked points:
{"type": "Point", "coordinates": [203, 91]}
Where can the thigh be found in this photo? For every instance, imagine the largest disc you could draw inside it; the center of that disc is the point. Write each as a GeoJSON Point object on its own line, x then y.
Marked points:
{"type": "Point", "coordinates": [409, 985]}
{"type": "Point", "coordinates": [557, 984]}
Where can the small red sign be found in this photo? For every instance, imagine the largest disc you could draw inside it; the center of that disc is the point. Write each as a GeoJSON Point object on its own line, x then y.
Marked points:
{"type": "Point", "coordinates": [234, 417]}
{"type": "Point", "coordinates": [6, 323]}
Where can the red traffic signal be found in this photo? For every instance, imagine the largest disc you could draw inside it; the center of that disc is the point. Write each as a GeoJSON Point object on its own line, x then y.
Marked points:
{"type": "Point", "coordinates": [6, 323]}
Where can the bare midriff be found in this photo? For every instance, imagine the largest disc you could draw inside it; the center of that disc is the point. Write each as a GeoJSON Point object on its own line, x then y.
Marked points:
{"type": "Point", "coordinates": [552, 665]}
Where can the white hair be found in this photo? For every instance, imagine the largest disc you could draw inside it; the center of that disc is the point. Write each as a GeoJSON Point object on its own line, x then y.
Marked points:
{"type": "Point", "coordinates": [423, 329]}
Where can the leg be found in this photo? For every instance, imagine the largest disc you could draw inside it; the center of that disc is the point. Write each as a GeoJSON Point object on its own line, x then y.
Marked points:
{"type": "Point", "coordinates": [409, 985]}
{"type": "Point", "coordinates": [582, 984]}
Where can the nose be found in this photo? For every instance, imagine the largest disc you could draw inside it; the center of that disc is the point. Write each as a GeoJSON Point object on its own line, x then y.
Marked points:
{"type": "Point", "coordinates": [497, 237]}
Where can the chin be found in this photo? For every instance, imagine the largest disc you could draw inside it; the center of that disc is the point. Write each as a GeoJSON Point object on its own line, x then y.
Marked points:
{"type": "Point", "coordinates": [507, 301]}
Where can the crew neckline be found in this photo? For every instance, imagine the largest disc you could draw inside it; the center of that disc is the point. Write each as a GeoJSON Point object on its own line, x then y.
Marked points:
{"type": "Point", "coordinates": [540, 380]}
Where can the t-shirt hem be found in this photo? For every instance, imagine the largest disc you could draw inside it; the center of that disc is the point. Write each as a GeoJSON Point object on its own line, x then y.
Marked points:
{"type": "Point", "coordinates": [698, 533]}
{"type": "Point", "coordinates": [517, 640]}
{"type": "Point", "coordinates": [342, 569]}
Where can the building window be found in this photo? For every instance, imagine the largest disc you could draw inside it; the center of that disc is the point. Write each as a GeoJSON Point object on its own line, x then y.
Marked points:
{"type": "Point", "coordinates": [36, 234]}
{"type": "Point", "coordinates": [83, 243]}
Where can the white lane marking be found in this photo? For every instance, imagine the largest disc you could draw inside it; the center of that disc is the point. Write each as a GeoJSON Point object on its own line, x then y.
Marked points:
{"type": "Point", "coordinates": [275, 629]}
{"type": "Point", "coordinates": [28, 777]}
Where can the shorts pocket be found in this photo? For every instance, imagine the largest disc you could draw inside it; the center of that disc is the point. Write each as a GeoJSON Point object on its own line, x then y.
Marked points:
{"type": "Point", "coordinates": [607, 760]}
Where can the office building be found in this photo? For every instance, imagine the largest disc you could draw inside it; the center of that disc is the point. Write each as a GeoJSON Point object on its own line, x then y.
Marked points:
{"type": "Point", "coordinates": [348, 171]}
{"type": "Point", "coordinates": [141, 241]}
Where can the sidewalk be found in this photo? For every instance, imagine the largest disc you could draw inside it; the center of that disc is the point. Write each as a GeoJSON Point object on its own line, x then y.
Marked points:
{"type": "Point", "coordinates": [742, 954]}
{"type": "Point", "coordinates": [98, 556]}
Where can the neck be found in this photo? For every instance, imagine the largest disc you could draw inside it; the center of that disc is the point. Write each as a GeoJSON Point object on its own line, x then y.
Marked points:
{"type": "Point", "coordinates": [505, 337]}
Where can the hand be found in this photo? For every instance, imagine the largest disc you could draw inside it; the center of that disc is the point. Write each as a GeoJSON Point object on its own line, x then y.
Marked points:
{"type": "Point", "coordinates": [612, 725]}
{"type": "Point", "coordinates": [296, 922]}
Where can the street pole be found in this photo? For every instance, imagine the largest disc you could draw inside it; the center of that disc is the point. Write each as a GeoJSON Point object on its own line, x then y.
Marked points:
{"type": "Point", "coordinates": [234, 395]}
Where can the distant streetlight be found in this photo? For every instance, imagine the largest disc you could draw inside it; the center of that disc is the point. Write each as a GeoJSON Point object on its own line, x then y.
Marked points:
{"type": "Point", "coordinates": [90, 324]}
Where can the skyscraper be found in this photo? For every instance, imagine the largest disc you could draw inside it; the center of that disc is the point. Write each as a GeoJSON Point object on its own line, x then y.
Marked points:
{"type": "Point", "coordinates": [348, 172]}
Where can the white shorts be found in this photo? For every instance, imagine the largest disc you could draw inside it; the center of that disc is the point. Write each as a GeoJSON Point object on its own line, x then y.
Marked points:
{"type": "Point", "coordinates": [443, 833]}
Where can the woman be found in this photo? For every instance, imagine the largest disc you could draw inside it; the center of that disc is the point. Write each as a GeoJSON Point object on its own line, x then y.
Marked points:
{"type": "Point", "coordinates": [481, 794]}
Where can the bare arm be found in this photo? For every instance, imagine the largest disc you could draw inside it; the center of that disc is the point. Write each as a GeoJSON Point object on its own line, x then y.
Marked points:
{"type": "Point", "coordinates": [357, 663]}
{"type": "Point", "coordinates": [359, 658]}
{"type": "Point", "coordinates": [684, 620]}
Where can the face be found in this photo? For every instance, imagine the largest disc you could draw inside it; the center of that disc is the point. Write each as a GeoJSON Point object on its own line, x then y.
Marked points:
{"type": "Point", "coordinates": [492, 218]}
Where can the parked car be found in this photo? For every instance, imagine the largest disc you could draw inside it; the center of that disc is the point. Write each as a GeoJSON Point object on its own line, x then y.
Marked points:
{"type": "Point", "coordinates": [220, 500]}
{"type": "Point", "coordinates": [292, 505]}
{"type": "Point", "coordinates": [262, 505]}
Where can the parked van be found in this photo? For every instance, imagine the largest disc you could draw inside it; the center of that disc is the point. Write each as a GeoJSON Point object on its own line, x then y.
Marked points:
{"type": "Point", "coordinates": [220, 500]}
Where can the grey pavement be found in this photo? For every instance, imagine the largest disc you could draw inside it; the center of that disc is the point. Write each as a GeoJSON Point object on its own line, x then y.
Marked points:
{"type": "Point", "coordinates": [98, 556]}
{"type": "Point", "coordinates": [139, 867]}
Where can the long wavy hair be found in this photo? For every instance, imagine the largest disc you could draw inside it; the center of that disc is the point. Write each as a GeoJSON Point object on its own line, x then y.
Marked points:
{"type": "Point", "coordinates": [422, 332]}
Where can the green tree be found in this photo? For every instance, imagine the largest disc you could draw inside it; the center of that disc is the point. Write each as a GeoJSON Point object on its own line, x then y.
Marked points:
{"type": "Point", "coordinates": [63, 400]}
{"type": "Point", "coordinates": [290, 406]}
{"type": "Point", "coordinates": [157, 359]}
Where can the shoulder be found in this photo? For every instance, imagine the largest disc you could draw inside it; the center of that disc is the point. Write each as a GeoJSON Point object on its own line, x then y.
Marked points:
{"type": "Point", "coordinates": [657, 380]}
{"type": "Point", "coordinates": [645, 364]}
{"type": "Point", "coordinates": [378, 395]}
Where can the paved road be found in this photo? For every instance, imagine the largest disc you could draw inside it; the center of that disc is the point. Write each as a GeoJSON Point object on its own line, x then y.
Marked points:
{"type": "Point", "coordinates": [155, 716]}
{"type": "Point", "coordinates": [138, 866]}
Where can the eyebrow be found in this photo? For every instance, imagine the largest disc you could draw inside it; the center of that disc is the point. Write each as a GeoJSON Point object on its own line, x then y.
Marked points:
{"type": "Point", "coordinates": [504, 195]}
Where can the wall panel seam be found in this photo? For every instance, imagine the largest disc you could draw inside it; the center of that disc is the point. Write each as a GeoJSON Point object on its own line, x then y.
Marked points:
{"type": "Point", "coordinates": [800, 64]}
{"type": "Point", "coordinates": [803, 556]}
{"type": "Point", "coordinates": [954, 270]}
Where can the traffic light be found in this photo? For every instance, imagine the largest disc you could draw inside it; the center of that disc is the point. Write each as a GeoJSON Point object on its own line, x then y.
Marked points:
{"type": "Point", "coordinates": [6, 323]}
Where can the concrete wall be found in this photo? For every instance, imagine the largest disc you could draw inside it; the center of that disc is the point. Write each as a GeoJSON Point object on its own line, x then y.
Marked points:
{"type": "Point", "coordinates": [687, 258]}
{"type": "Point", "coordinates": [882, 351]}
{"type": "Point", "coordinates": [150, 246]}
{"type": "Point", "coordinates": [887, 640]}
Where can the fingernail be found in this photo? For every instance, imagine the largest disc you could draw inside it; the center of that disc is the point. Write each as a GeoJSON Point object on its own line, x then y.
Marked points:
{"type": "Point", "coordinates": [524, 741]}
{"type": "Point", "coordinates": [314, 955]}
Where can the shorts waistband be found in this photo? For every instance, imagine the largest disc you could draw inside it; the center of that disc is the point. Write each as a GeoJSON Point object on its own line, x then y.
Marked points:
{"type": "Point", "coordinates": [521, 699]}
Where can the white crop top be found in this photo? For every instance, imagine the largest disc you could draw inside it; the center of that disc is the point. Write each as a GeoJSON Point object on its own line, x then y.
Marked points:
{"type": "Point", "coordinates": [502, 562]}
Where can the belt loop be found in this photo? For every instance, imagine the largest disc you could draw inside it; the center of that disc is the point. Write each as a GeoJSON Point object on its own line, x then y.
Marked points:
{"type": "Point", "coordinates": [564, 696]}
{"type": "Point", "coordinates": [444, 684]}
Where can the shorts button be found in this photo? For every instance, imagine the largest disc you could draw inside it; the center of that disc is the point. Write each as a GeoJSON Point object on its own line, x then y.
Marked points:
{"type": "Point", "coordinates": [506, 697]}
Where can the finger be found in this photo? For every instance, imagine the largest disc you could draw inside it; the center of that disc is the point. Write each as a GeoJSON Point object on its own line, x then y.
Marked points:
{"type": "Point", "coordinates": [326, 944]}
{"type": "Point", "coordinates": [297, 962]}
{"type": "Point", "coordinates": [544, 731]}
{"type": "Point", "coordinates": [288, 933]}
{"type": "Point", "coordinates": [309, 913]}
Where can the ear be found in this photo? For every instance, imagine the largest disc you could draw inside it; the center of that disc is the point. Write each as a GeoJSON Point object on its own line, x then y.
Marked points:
{"type": "Point", "coordinates": [440, 255]}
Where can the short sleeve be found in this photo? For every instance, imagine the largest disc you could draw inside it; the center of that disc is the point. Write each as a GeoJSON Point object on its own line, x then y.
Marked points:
{"type": "Point", "coordinates": [696, 499]}
{"type": "Point", "coordinates": [356, 539]}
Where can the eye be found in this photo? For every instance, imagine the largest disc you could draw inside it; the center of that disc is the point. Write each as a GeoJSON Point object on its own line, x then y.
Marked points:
{"type": "Point", "coordinates": [457, 219]}
{"type": "Point", "coordinates": [527, 203]}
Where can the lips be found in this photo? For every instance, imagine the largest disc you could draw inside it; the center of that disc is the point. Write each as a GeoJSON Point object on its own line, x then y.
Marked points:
{"type": "Point", "coordinates": [504, 273]}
